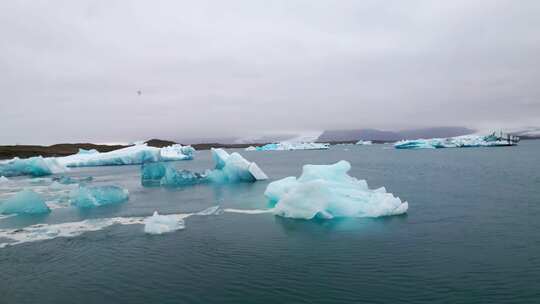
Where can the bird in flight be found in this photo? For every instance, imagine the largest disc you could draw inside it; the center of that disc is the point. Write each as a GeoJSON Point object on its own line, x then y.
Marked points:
{"type": "Point", "coordinates": [139, 92]}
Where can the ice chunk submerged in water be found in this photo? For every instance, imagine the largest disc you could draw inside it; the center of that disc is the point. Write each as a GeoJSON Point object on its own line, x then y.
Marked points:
{"type": "Point", "coordinates": [465, 141]}
{"type": "Point", "coordinates": [289, 146]}
{"type": "Point", "coordinates": [137, 154]}
{"type": "Point", "coordinates": [229, 168]}
{"type": "Point", "coordinates": [89, 197]}
{"type": "Point", "coordinates": [24, 202]}
{"type": "Point", "coordinates": [66, 180]}
{"type": "Point", "coordinates": [159, 224]}
{"type": "Point", "coordinates": [34, 166]}
{"type": "Point", "coordinates": [327, 191]}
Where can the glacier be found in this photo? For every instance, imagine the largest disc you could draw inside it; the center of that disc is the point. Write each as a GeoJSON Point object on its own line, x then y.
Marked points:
{"type": "Point", "coordinates": [33, 166]}
{"type": "Point", "coordinates": [96, 196]}
{"type": "Point", "coordinates": [24, 202]}
{"type": "Point", "coordinates": [132, 155]}
{"type": "Point", "coordinates": [159, 224]}
{"type": "Point", "coordinates": [465, 141]}
{"type": "Point", "coordinates": [327, 191]}
{"type": "Point", "coordinates": [289, 146]}
{"type": "Point", "coordinates": [229, 168]}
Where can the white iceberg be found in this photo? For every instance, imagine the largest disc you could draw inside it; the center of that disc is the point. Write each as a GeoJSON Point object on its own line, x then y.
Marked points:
{"type": "Point", "coordinates": [159, 224]}
{"type": "Point", "coordinates": [132, 155]}
{"type": "Point", "coordinates": [364, 142]}
{"type": "Point", "coordinates": [290, 146]}
{"type": "Point", "coordinates": [4, 180]}
{"type": "Point", "coordinates": [465, 141]}
{"type": "Point", "coordinates": [327, 191]}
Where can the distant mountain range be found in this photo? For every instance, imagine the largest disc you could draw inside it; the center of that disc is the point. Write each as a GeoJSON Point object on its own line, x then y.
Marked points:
{"type": "Point", "coordinates": [388, 136]}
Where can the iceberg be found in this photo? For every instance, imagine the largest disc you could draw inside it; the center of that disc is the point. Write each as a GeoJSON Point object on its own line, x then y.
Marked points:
{"type": "Point", "coordinates": [132, 155]}
{"type": "Point", "coordinates": [327, 191]}
{"type": "Point", "coordinates": [89, 197]}
{"type": "Point", "coordinates": [229, 168]}
{"type": "Point", "coordinates": [84, 151]}
{"type": "Point", "coordinates": [364, 142]}
{"type": "Point", "coordinates": [159, 224]}
{"type": "Point", "coordinates": [289, 146]}
{"type": "Point", "coordinates": [34, 166]}
{"type": "Point", "coordinates": [465, 141]}
{"type": "Point", "coordinates": [4, 180]}
{"type": "Point", "coordinates": [232, 168]}
{"type": "Point", "coordinates": [24, 202]}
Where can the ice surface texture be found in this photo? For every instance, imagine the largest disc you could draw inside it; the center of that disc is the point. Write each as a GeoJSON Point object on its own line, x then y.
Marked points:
{"type": "Point", "coordinates": [89, 197]}
{"type": "Point", "coordinates": [289, 146]}
{"type": "Point", "coordinates": [24, 202]}
{"type": "Point", "coordinates": [466, 141]}
{"type": "Point", "coordinates": [327, 191]}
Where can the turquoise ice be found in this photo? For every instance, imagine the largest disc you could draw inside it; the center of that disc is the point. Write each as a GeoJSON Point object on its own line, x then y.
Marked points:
{"type": "Point", "coordinates": [229, 168]}
{"type": "Point", "coordinates": [24, 202]}
{"type": "Point", "coordinates": [327, 191]}
{"type": "Point", "coordinates": [96, 196]}
{"type": "Point", "coordinates": [33, 166]}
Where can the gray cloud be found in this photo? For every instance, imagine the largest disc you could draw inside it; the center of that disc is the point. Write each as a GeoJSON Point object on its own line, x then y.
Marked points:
{"type": "Point", "coordinates": [70, 70]}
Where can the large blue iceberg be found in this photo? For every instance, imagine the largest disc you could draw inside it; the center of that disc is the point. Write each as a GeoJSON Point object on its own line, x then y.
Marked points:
{"type": "Point", "coordinates": [327, 191]}
{"type": "Point", "coordinates": [34, 166]}
{"type": "Point", "coordinates": [137, 154]}
{"type": "Point", "coordinates": [24, 202]}
{"type": "Point", "coordinates": [289, 146]}
{"type": "Point", "coordinates": [465, 141]}
{"type": "Point", "coordinates": [89, 197]}
{"type": "Point", "coordinates": [229, 168]}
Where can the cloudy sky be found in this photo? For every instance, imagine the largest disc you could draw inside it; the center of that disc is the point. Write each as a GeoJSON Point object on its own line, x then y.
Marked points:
{"type": "Point", "coordinates": [70, 70]}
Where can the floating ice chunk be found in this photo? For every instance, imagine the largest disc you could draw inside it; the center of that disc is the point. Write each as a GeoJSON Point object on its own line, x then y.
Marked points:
{"type": "Point", "coordinates": [174, 177]}
{"type": "Point", "coordinates": [233, 167]}
{"type": "Point", "coordinates": [364, 142]}
{"type": "Point", "coordinates": [465, 141]}
{"type": "Point", "coordinates": [159, 224]}
{"type": "Point", "coordinates": [34, 166]}
{"type": "Point", "coordinates": [327, 191]}
{"type": "Point", "coordinates": [24, 202]}
{"type": "Point", "coordinates": [89, 197]}
{"type": "Point", "coordinates": [289, 146]}
{"type": "Point", "coordinates": [3, 180]}
{"type": "Point", "coordinates": [176, 152]}
{"type": "Point", "coordinates": [132, 155]}
{"type": "Point", "coordinates": [229, 168]}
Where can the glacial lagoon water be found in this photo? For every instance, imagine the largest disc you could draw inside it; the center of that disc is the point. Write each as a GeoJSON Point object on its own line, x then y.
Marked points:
{"type": "Point", "coordinates": [471, 235]}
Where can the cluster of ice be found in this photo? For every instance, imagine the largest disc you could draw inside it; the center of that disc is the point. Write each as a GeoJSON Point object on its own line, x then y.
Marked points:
{"type": "Point", "coordinates": [132, 155]}
{"type": "Point", "coordinates": [465, 141]}
{"type": "Point", "coordinates": [159, 224]}
{"type": "Point", "coordinates": [229, 168]}
{"type": "Point", "coordinates": [364, 142]}
{"type": "Point", "coordinates": [96, 196]}
{"type": "Point", "coordinates": [34, 166]}
{"type": "Point", "coordinates": [24, 202]}
{"type": "Point", "coordinates": [289, 146]}
{"type": "Point", "coordinates": [327, 191]}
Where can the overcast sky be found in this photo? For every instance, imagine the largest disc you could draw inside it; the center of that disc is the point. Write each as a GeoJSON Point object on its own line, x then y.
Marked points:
{"type": "Point", "coordinates": [70, 70]}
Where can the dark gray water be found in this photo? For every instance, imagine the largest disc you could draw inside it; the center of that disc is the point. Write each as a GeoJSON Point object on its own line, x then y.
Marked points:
{"type": "Point", "coordinates": [471, 236]}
